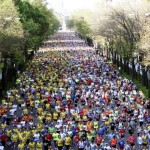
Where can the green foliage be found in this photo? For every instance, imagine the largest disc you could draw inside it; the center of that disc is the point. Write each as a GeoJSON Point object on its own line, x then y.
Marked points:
{"type": "Point", "coordinates": [122, 47]}
{"type": "Point", "coordinates": [70, 23]}
{"type": "Point", "coordinates": [80, 25]}
{"type": "Point", "coordinates": [38, 22]}
{"type": "Point", "coordinates": [19, 58]}
{"type": "Point", "coordinates": [24, 26]}
{"type": "Point", "coordinates": [11, 31]}
{"type": "Point", "coordinates": [32, 21]}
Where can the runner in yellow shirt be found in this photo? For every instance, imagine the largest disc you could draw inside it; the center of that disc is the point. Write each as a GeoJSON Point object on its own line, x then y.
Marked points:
{"type": "Point", "coordinates": [32, 145]}
{"type": "Point", "coordinates": [55, 137]}
{"type": "Point", "coordinates": [85, 118]}
{"type": "Point", "coordinates": [47, 106]}
{"type": "Point", "coordinates": [95, 124]}
{"type": "Point", "coordinates": [39, 126]}
{"type": "Point", "coordinates": [32, 104]}
{"type": "Point", "coordinates": [39, 110]}
{"type": "Point", "coordinates": [77, 117]}
{"type": "Point", "coordinates": [63, 114]}
{"type": "Point", "coordinates": [39, 146]}
{"type": "Point", "coordinates": [33, 131]}
{"type": "Point", "coordinates": [16, 131]}
{"type": "Point", "coordinates": [3, 125]}
{"type": "Point", "coordinates": [55, 116]}
{"type": "Point", "coordinates": [80, 125]}
{"type": "Point", "coordinates": [8, 133]}
{"type": "Point", "coordinates": [23, 138]}
{"type": "Point", "coordinates": [14, 137]}
{"type": "Point", "coordinates": [60, 143]}
{"type": "Point", "coordinates": [25, 111]}
{"type": "Point", "coordinates": [68, 142]}
{"type": "Point", "coordinates": [21, 146]}
{"type": "Point", "coordinates": [40, 118]}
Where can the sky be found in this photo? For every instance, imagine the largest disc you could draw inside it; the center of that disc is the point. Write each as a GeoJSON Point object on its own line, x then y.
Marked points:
{"type": "Point", "coordinates": [70, 5]}
{"type": "Point", "coordinates": [78, 4]}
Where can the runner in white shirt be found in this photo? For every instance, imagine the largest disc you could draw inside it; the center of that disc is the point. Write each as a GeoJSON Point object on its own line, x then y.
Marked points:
{"type": "Point", "coordinates": [23, 123]}
{"type": "Point", "coordinates": [140, 141]}
{"type": "Point", "coordinates": [81, 145]}
{"type": "Point", "coordinates": [58, 127]}
{"type": "Point", "coordinates": [141, 119]}
{"type": "Point", "coordinates": [36, 137]}
{"type": "Point", "coordinates": [12, 111]}
{"type": "Point", "coordinates": [93, 146]}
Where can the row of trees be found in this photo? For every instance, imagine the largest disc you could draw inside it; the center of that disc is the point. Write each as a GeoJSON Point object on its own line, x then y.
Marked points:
{"type": "Point", "coordinates": [123, 28]}
{"type": "Point", "coordinates": [123, 34]}
{"type": "Point", "coordinates": [23, 28]}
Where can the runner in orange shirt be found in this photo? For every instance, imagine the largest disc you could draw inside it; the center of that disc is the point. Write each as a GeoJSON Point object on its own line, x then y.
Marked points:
{"type": "Point", "coordinates": [113, 142]}
{"type": "Point", "coordinates": [84, 111]}
{"type": "Point", "coordinates": [99, 140]}
{"type": "Point", "coordinates": [89, 126]}
{"type": "Point", "coordinates": [25, 118]}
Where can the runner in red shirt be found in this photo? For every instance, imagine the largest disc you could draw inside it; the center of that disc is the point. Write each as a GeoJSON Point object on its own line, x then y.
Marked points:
{"type": "Point", "coordinates": [76, 139]}
{"type": "Point", "coordinates": [113, 142]}
{"type": "Point", "coordinates": [48, 138]}
{"type": "Point", "coordinates": [131, 140]}
{"type": "Point", "coordinates": [98, 140]}
{"type": "Point", "coordinates": [3, 139]}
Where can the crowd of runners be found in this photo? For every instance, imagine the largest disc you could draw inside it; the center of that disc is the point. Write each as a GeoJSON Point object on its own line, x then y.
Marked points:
{"type": "Point", "coordinates": [63, 42]}
{"type": "Point", "coordinates": [73, 100]}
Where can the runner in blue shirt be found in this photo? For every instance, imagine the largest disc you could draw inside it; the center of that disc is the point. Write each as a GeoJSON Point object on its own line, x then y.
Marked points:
{"type": "Point", "coordinates": [121, 144]}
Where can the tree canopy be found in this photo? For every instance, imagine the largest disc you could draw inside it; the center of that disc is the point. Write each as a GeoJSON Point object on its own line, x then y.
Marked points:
{"type": "Point", "coordinates": [123, 27]}
{"type": "Point", "coordinates": [24, 26]}
{"type": "Point", "coordinates": [11, 31]}
{"type": "Point", "coordinates": [38, 22]}
{"type": "Point", "coordinates": [80, 25]}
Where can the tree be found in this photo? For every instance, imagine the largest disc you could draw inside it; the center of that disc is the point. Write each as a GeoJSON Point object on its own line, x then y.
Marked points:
{"type": "Point", "coordinates": [122, 27]}
{"type": "Point", "coordinates": [11, 39]}
{"type": "Point", "coordinates": [54, 23]}
{"type": "Point", "coordinates": [70, 23]}
{"type": "Point", "coordinates": [11, 31]}
{"type": "Point", "coordinates": [80, 25]}
{"type": "Point", "coordinates": [145, 40]}
{"type": "Point", "coordinates": [38, 22]}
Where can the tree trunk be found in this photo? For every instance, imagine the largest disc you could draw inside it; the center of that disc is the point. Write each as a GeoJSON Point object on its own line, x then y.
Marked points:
{"type": "Point", "coordinates": [26, 52]}
{"type": "Point", "coordinates": [4, 74]}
